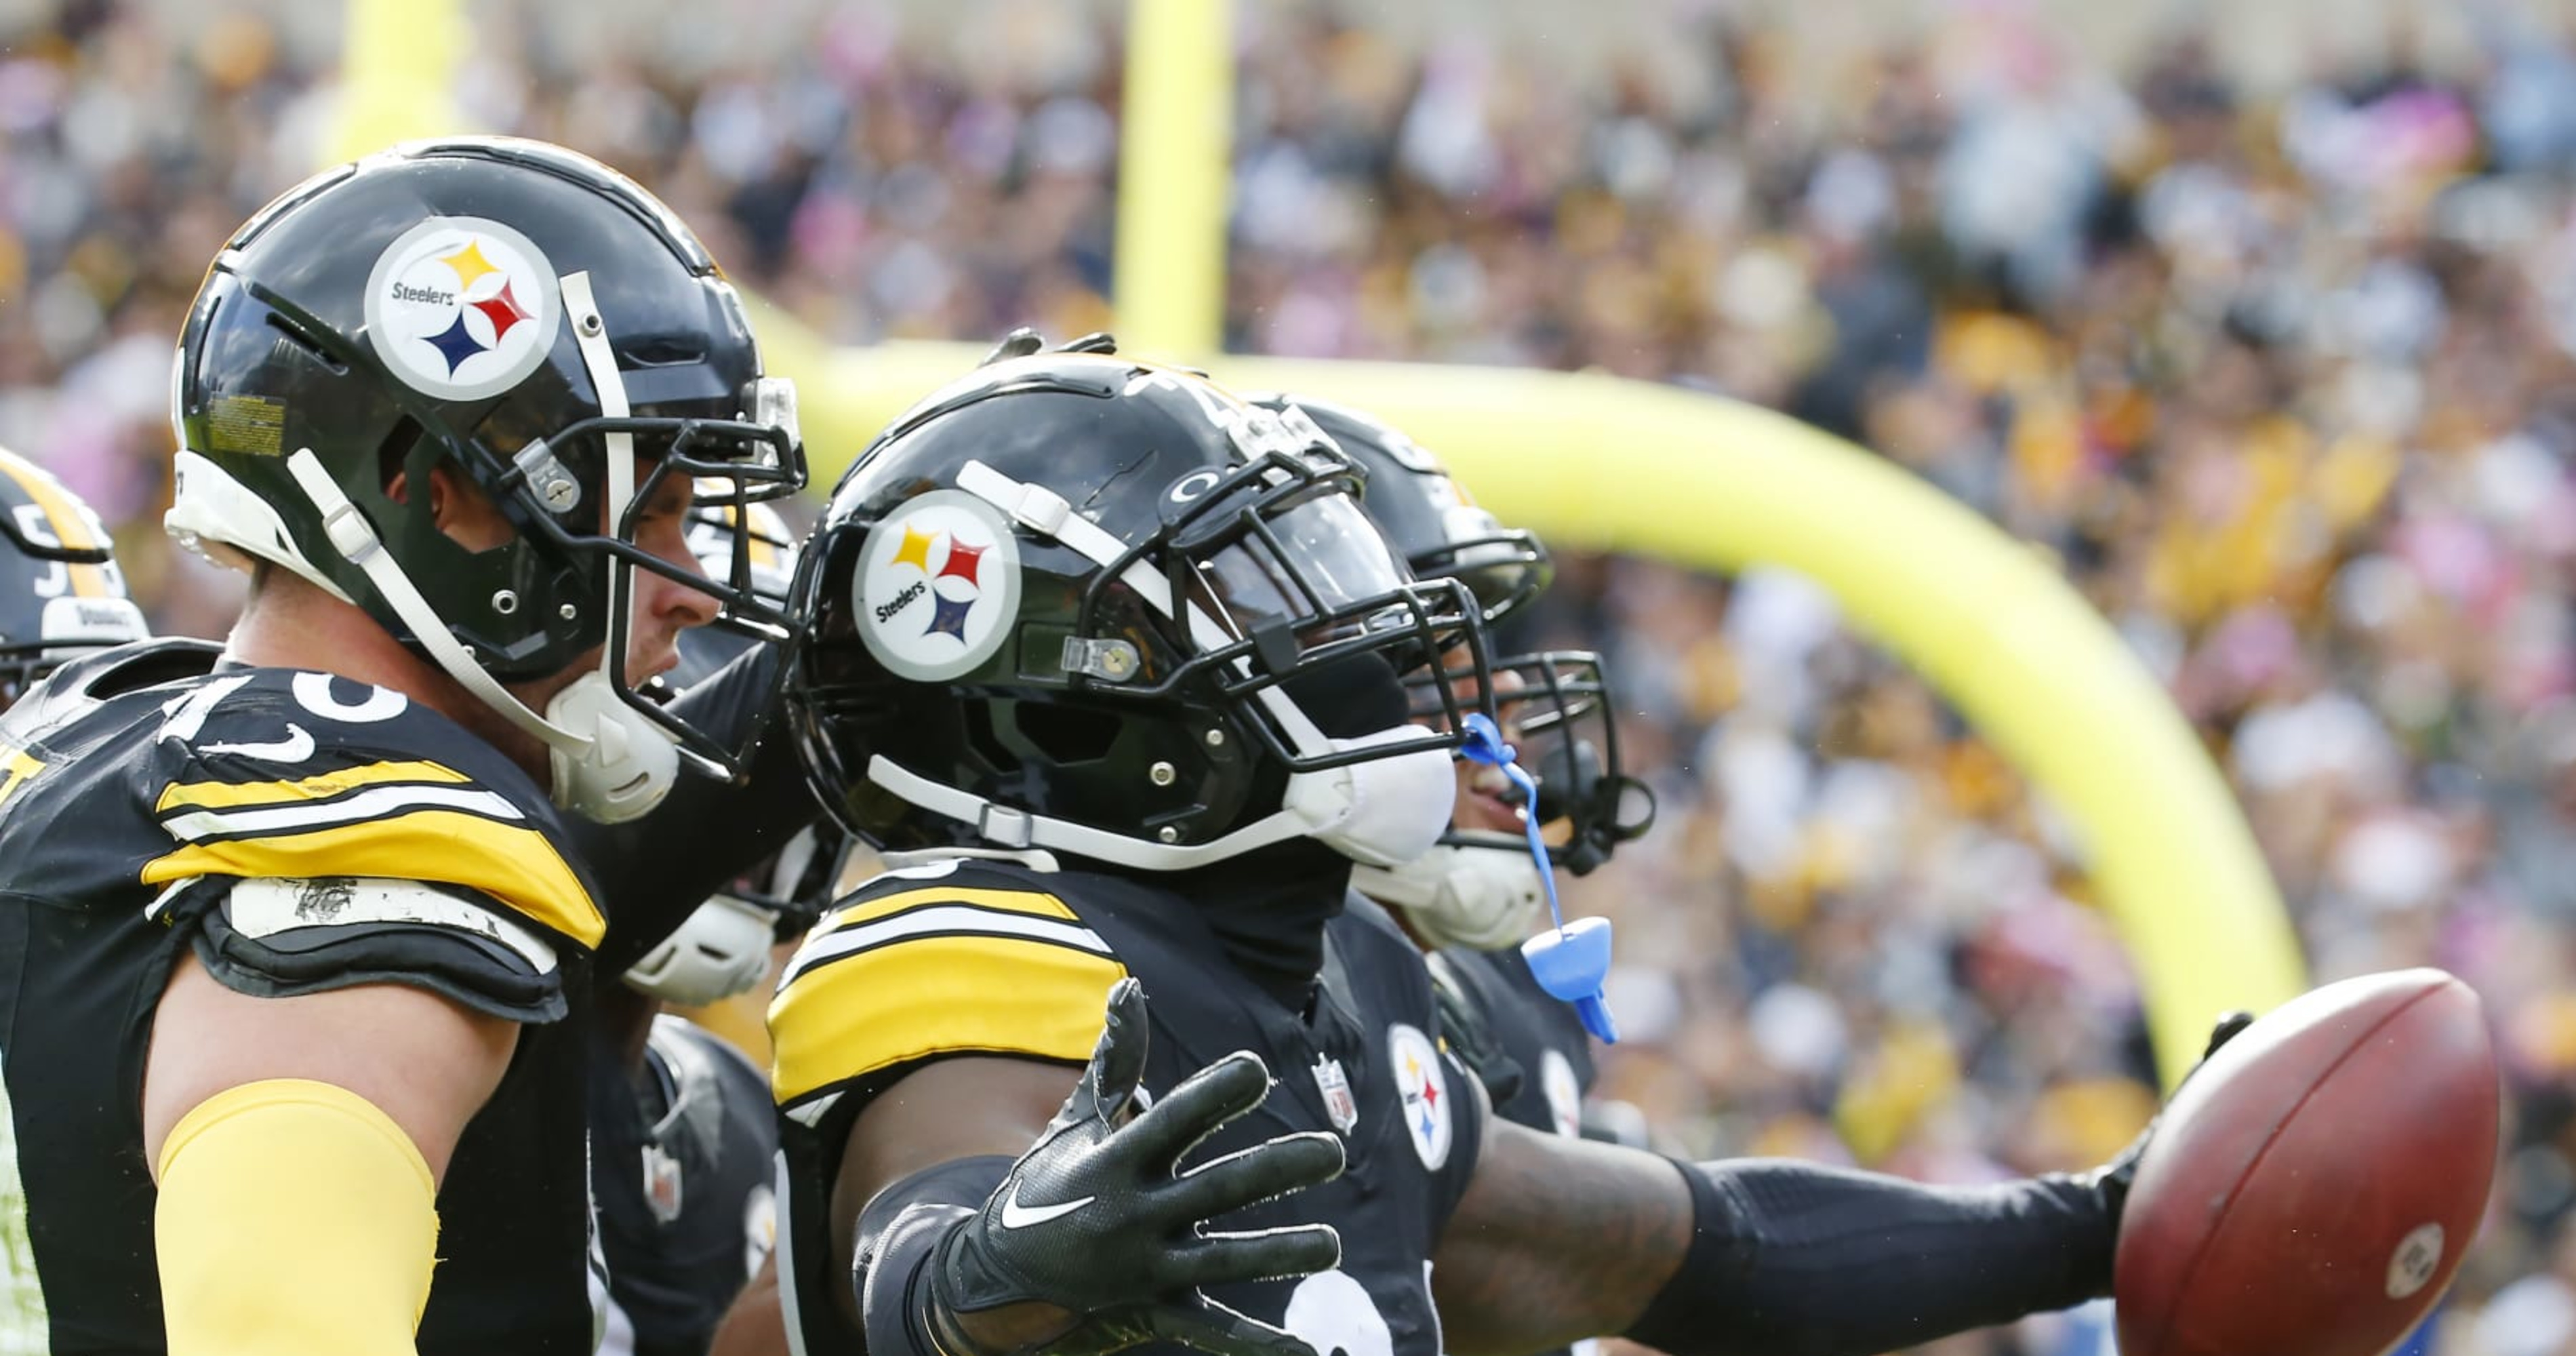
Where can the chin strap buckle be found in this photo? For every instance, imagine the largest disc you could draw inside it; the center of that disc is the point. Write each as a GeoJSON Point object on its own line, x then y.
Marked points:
{"type": "Point", "coordinates": [350, 535]}
{"type": "Point", "coordinates": [1004, 827]}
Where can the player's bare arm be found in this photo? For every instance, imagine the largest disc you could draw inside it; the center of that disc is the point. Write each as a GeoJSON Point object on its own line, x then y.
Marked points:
{"type": "Point", "coordinates": [958, 1108]}
{"type": "Point", "coordinates": [428, 1063]}
{"type": "Point", "coordinates": [1556, 1240]}
{"type": "Point", "coordinates": [252, 1084]}
{"type": "Point", "coordinates": [755, 1325]}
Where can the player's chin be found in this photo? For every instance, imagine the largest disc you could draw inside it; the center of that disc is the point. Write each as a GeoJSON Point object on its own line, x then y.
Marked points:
{"type": "Point", "coordinates": [645, 664]}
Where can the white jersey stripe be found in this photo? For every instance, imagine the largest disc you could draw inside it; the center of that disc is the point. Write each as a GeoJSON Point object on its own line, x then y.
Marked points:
{"type": "Point", "coordinates": [376, 802]}
{"type": "Point", "coordinates": [949, 918]}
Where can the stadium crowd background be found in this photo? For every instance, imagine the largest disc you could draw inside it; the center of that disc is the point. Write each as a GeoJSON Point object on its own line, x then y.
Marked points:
{"type": "Point", "coordinates": [2272, 351]}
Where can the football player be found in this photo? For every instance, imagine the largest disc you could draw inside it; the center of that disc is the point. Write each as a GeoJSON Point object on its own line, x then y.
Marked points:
{"type": "Point", "coordinates": [1118, 656]}
{"type": "Point", "coordinates": [1050, 835]}
{"type": "Point", "coordinates": [682, 1133]}
{"type": "Point", "coordinates": [1471, 900]}
{"type": "Point", "coordinates": [297, 948]}
{"type": "Point", "coordinates": [61, 594]}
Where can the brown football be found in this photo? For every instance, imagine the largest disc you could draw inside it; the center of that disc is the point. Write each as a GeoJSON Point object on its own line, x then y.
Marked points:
{"type": "Point", "coordinates": [2313, 1186]}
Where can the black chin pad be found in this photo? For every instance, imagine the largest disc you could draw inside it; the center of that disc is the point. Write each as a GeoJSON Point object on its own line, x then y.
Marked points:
{"type": "Point", "coordinates": [1349, 697]}
{"type": "Point", "coordinates": [1567, 775]}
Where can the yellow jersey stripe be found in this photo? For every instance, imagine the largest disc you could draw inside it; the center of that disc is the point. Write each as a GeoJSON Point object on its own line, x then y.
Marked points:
{"type": "Point", "coordinates": [223, 795]}
{"type": "Point", "coordinates": [63, 514]}
{"type": "Point", "coordinates": [937, 995]}
{"type": "Point", "coordinates": [512, 864]}
{"type": "Point", "coordinates": [1035, 903]}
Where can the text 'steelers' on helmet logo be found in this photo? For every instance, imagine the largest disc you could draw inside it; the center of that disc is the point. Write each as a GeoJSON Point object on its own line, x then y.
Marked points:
{"type": "Point", "coordinates": [462, 308]}
{"type": "Point", "coordinates": [938, 586]}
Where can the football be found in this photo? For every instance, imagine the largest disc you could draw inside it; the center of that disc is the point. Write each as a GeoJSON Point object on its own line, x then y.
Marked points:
{"type": "Point", "coordinates": [2314, 1185]}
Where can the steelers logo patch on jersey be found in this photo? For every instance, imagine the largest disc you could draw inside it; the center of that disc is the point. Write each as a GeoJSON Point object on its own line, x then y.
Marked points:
{"type": "Point", "coordinates": [1424, 1087]}
{"type": "Point", "coordinates": [938, 586]}
{"type": "Point", "coordinates": [461, 308]}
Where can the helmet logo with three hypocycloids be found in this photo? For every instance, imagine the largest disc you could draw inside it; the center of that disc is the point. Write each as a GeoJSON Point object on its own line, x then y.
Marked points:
{"type": "Point", "coordinates": [461, 308]}
{"type": "Point", "coordinates": [937, 586]}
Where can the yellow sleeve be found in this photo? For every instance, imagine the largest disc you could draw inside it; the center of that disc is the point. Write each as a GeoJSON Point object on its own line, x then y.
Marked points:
{"type": "Point", "coordinates": [295, 1219]}
{"type": "Point", "coordinates": [917, 973]}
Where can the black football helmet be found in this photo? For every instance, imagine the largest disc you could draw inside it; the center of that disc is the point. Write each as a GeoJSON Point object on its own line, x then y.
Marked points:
{"type": "Point", "coordinates": [1441, 530]}
{"type": "Point", "coordinates": [529, 318]}
{"type": "Point", "coordinates": [1088, 604]}
{"type": "Point", "coordinates": [60, 590]}
{"type": "Point", "coordinates": [1477, 888]}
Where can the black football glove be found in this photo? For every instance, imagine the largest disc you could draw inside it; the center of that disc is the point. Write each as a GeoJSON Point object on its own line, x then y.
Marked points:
{"type": "Point", "coordinates": [2113, 1179]}
{"type": "Point", "coordinates": [1099, 1219]}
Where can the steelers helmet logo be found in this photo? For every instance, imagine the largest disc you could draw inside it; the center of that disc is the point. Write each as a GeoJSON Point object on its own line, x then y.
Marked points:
{"type": "Point", "coordinates": [461, 308]}
{"type": "Point", "coordinates": [938, 586]}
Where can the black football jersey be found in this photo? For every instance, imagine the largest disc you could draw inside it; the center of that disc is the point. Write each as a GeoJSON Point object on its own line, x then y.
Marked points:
{"type": "Point", "coordinates": [994, 958]}
{"type": "Point", "coordinates": [682, 1163]}
{"type": "Point", "coordinates": [1546, 1053]}
{"type": "Point", "coordinates": [1535, 1057]}
{"type": "Point", "coordinates": [299, 833]}
{"type": "Point", "coordinates": [661, 866]}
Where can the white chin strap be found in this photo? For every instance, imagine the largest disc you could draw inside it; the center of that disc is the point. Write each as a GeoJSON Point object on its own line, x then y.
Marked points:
{"type": "Point", "coordinates": [610, 764]}
{"type": "Point", "coordinates": [1463, 894]}
{"type": "Point", "coordinates": [1382, 811]}
{"type": "Point", "coordinates": [720, 950]}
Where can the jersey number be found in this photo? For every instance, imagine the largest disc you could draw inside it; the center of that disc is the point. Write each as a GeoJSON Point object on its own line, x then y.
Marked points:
{"type": "Point", "coordinates": [57, 580]}
{"type": "Point", "coordinates": [1335, 1315]}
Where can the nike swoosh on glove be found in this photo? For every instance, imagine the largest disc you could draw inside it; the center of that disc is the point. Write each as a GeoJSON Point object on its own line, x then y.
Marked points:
{"type": "Point", "coordinates": [1098, 1218]}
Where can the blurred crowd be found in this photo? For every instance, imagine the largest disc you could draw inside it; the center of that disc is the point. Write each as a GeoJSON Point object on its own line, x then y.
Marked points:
{"type": "Point", "coordinates": [2279, 374]}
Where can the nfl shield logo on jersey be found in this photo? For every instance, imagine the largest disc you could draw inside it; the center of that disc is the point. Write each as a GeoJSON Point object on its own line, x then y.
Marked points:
{"type": "Point", "coordinates": [661, 1183]}
{"type": "Point", "coordinates": [1336, 1087]}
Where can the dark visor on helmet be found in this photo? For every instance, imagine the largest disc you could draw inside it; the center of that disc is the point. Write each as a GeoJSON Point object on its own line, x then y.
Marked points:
{"type": "Point", "coordinates": [1278, 576]}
